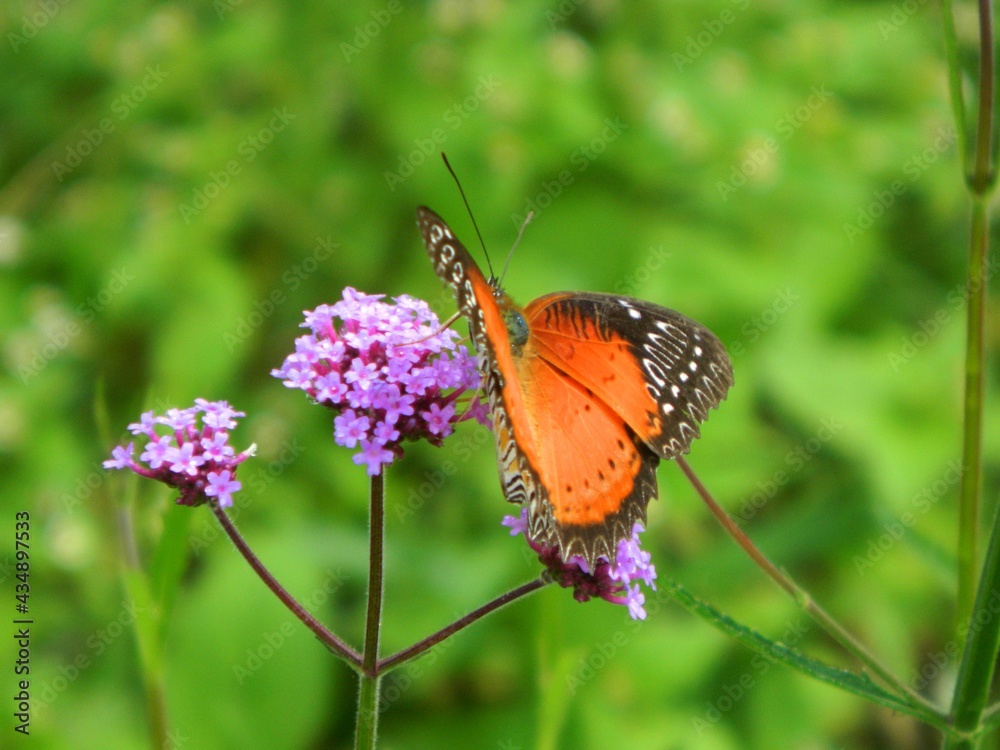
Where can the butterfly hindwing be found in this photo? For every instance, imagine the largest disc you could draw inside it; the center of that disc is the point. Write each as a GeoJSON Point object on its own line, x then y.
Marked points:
{"type": "Point", "coordinates": [595, 476]}
{"type": "Point", "coordinates": [661, 371]}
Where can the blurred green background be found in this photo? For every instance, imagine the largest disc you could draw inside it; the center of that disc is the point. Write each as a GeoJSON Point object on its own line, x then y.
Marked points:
{"type": "Point", "coordinates": [173, 175]}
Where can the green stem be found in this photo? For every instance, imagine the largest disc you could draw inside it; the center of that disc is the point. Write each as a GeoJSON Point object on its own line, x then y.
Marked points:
{"type": "Point", "coordinates": [156, 710]}
{"type": "Point", "coordinates": [432, 640]}
{"type": "Point", "coordinates": [980, 178]}
{"type": "Point", "coordinates": [970, 492]}
{"type": "Point", "coordinates": [983, 174]}
{"type": "Point", "coordinates": [368, 692]}
{"type": "Point", "coordinates": [802, 597]}
{"type": "Point", "coordinates": [955, 82]}
{"type": "Point", "coordinates": [975, 673]}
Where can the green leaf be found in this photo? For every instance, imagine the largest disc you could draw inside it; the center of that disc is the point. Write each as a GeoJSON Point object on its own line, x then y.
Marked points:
{"type": "Point", "coordinates": [844, 679]}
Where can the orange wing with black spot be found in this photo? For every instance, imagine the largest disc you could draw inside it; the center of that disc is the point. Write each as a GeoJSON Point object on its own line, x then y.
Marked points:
{"type": "Point", "coordinates": [587, 393]}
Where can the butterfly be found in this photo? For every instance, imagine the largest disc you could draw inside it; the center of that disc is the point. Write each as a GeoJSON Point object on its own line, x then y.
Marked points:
{"type": "Point", "coordinates": [587, 393]}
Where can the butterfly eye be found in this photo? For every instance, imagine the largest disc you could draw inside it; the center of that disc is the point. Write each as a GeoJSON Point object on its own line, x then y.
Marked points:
{"type": "Point", "coordinates": [517, 329]}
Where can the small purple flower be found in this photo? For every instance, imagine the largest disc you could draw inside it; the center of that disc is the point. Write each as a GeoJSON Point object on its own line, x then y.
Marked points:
{"type": "Point", "coordinates": [387, 371]}
{"type": "Point", "coordinates": [178, 419]}
{"type": "Point", "coordinates": [219, 415]}
{"type": "Point", "coordinates": [479, 410]}
{"type": "Point", "coordinates": [221, 487]}
{"type": "Point", "coordinates": [518, 524]}
{"type": "Point", "coordinates": [217, 448]}
{"type": "Point", "coordinates": [438, 419]}
{"type": "Point", "coordinates": [157, 451]}
{"type": "Point", "coordinates": [385, 433]}
{"type": "Point", "coordinates": [184, 460]}
{"type": "Point", "coordinates": [372, 455]}
{"type": "Point", "coordinates": [121, 457]}
{"type": "Point", "coordinates": [614, 583]}
{"type": "Point", "coordinates": [145, 425]}
{"type": "Point", "coordinates": [195, 459]}
{"type": "Point", "coordinates": [350, 428]}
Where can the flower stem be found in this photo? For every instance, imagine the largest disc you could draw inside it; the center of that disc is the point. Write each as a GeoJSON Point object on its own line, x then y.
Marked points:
{"type": "Point", "coordinates": [368, 690]}
{"type": "Point", "coordinates": [802, 598]}
{"type": "Point", "coordinates": [374, 617]}
{"type": "Point", "coordinates": [970, 497]}
{"type": "Point", "coordinates": [432, 640]}
{"type": "Point", "coordinates": [980, 178]}
{"type": "Point", "coordinates": [367, 723]}
{"type": "Point", "coordinates": [331, 641]}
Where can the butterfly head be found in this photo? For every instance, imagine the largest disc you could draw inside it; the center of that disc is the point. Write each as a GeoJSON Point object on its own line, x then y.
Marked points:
{"type": "Point", "coordinates": [517, 327]}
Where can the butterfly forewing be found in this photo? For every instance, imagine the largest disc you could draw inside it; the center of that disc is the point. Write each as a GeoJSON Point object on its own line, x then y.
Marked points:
{"type": "Point", "coordinates": [478, 302]}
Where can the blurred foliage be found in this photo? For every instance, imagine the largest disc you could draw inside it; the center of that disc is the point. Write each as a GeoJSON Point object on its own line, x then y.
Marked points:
{"type": "Point", "coordinates": [172, 176]}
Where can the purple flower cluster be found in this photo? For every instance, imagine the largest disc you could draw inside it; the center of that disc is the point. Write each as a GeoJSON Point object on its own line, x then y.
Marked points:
{"type": "Point", "coordinates": [195, 458]}
{"type": "Point", "coordinates": [388, 371]}
{"type": "Point", "coordinates": [614, 583]}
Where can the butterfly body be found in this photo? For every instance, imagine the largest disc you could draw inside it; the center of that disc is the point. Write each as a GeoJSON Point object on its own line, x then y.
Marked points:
{"type": "Point", "coordinates": [588, 392]}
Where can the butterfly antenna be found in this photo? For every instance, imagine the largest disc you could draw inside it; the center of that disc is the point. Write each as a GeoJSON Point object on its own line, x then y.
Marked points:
{"type": "Point", "coordinates": [520, 233]}
{"type": "Point", "coordinates": [469, 209]}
